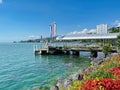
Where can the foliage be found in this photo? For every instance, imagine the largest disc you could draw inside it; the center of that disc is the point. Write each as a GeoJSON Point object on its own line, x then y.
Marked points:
{"type": "Point", "coordinates": [75, 85]}
{"type": "Point", "coordinates": [115, 71]}
{"type": "Point", "coordinates": [103, 77]}
{"type": "Point", "coordinates": [114, 30]}
{"type": "Point", "coordinates": [101, 84]}
{"type": "Point", "coordinates": [101, 74]}
{"type": "Point", "coordinates": [106, 49]}
{"type": "Point", "coordinates": [118, 40]}
{"type": "Point", "coordinates": [109, 42]}
{"type": "Point", "coordinates": [111, 62]}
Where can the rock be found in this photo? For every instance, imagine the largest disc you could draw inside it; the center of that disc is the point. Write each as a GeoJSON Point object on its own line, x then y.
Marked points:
{"type": "Point", "coordinates": [66, 83]}
{"type": "Point", "coordinates": [60, 83]}
{"type": "Point", "coordinates": [36, 88]}
{"type": "Point", "coordinates": [80, 77]}
{"type": "Point", "coordinates": [75, 76]}
{"type": "Point", "coordinates": [80, 71]}
{"type": "Point", "coordinates": [100, 62]}
{"type": "Point", "coordinates": [55, 87]}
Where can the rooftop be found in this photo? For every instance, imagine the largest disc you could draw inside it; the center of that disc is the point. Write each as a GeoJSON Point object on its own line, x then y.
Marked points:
{"type": "Point", "coordinates": [88, 36]}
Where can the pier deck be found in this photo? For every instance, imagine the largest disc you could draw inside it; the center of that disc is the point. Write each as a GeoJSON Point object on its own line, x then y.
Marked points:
{"type": "Point", "coordinates": [50, 50]}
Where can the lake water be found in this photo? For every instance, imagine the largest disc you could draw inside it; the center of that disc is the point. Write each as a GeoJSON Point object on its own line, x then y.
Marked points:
{"type": "Point", "coordinates": [20, 69]}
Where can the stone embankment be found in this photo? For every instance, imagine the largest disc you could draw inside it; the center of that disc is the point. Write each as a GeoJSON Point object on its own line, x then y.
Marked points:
{"type": "Point", "coordinates": [61, 84]}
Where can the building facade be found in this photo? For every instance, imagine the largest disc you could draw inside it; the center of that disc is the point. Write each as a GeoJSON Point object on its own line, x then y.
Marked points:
{"type": "Point", "coordinates": [102, 29]}
{"type": "Point", "coordinates": [53, 29]}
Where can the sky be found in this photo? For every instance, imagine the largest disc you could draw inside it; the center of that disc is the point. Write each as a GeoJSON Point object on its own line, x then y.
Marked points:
{"type": "Point", "coordinates": [27, 19]}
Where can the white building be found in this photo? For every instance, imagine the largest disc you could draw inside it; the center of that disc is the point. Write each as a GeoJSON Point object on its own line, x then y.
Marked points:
{"type": "Point", "coordinates": [102, 29]}
{"type": "Point", "coordinates": [80, 36]}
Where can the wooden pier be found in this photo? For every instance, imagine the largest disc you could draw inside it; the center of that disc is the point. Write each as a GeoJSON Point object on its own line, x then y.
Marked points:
{"type": "Point", "coordinates": [50, 50]}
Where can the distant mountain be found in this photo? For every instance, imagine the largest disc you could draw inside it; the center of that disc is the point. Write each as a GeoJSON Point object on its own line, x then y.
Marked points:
{"type": "Point", "coordinates": [38, 40]}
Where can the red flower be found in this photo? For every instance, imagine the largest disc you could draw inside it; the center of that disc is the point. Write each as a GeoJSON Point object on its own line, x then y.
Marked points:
{"type": "Point", "coordinates": [116, 71]}
{"type": "Point", "coordinates": [106, 83]}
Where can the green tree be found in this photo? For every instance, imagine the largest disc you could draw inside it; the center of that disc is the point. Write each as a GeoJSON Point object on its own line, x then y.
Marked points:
{"type": "Point", "coordinates": [106, 49]}
{"type": "Point", "coordinates": [114, 30]}
{"type": "Point", "coordinates": [118, 43]}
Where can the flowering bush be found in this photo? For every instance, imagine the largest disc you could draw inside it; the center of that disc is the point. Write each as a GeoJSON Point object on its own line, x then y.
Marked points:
{"type": "Point", "coordinates": [103, 77]}
{"type": "Point", "coordinates": [75, 85]}
{"type": "Point", "coordinates": [115, 71]}
{"type": "Point", "coordinates": [100, 75]}
{"type": "Point", "coordinates": [101, 84]}
{"type": "Point", "coordinates": [111, 62]}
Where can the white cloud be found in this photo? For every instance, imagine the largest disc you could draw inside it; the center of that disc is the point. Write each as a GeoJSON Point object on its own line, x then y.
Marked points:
{"type": "Point", "coordinates": [1, 1]}
{"type": "Point", "coordinates": [84, 31]}
{"type": "Point", "coordinates": [74, 32]}
{"type": "Point", "coordinates": [34, 37]}
{"type": "Point", "coordinates": [116, 23]}
{"type": "Point", "coordinates": [79, 32]}
{"type": "Point", "coordinates": [31, 37]}
{"type": "Point", "coordinates": [92, 31]}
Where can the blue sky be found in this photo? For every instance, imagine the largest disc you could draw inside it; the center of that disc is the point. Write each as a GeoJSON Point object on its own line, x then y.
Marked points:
{"type": "Point", "coordinates": [23, 19]}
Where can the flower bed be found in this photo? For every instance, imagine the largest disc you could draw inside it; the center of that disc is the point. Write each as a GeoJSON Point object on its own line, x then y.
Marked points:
{"type": "Point", "coordinates": [101, 84]}
{"type": "Point", "coordinates": [103, 77]}
{"type": "Point", "coordinates": [116, 72]}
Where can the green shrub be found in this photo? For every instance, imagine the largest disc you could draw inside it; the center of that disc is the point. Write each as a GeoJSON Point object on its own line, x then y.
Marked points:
{"type": "Point", "coordinates": [100, 74]}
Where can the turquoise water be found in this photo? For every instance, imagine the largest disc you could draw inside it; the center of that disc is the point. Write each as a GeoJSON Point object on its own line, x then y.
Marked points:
{"type": "Point", "coordinates": [20, 69]}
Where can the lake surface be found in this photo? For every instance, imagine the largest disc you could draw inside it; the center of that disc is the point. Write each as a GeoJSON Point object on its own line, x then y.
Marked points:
{"type": "Point", "coordinates": [20, 69]}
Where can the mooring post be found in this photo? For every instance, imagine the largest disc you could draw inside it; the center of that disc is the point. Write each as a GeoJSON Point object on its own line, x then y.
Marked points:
{"type": "Point", "coordinates": [35, 48]}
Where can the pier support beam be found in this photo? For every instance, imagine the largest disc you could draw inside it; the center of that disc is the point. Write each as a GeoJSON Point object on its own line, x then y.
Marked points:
{"type": "Point", "coordinates": [94, 54]}
{"type": "Point", "coordinates": [71, 52]}
{"type": "Point", "coordinates": [44, 52]}
{"type": "Point", "coordinates": [67, 52]}
{"type": "Point", "coordinates": [76, 53]}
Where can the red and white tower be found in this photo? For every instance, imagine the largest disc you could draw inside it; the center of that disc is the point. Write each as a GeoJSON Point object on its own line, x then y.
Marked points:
{"type": "Point", "coordinates": [53, 29]}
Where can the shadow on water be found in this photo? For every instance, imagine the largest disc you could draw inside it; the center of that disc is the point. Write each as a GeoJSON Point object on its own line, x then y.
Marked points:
{"type": "Point", "coordinates": [65, 60]}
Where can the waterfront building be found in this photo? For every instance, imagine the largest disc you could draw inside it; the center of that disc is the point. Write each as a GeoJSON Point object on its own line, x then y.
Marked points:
{"type": "Point", "coordinates": [102, 29]}
{"type": "Point", "coordinates": [88, 36]}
